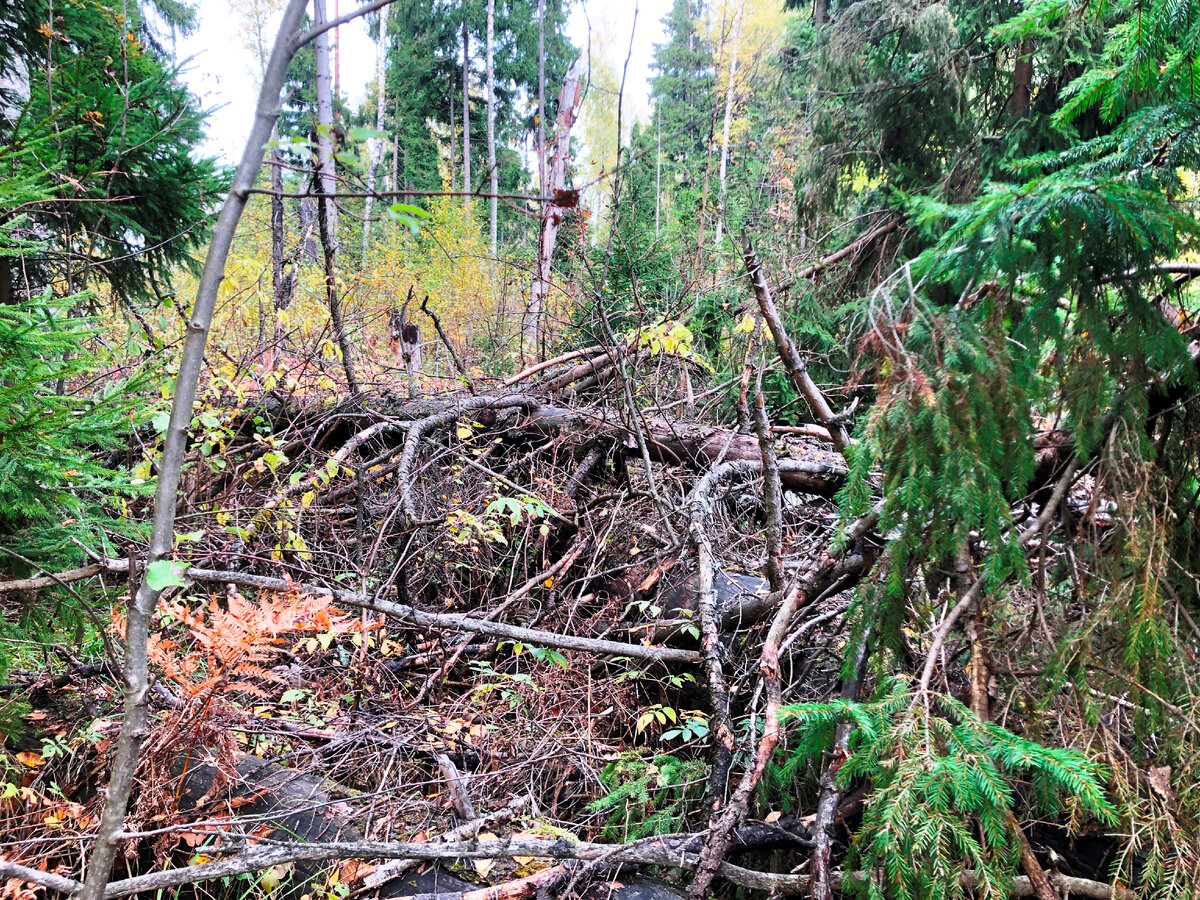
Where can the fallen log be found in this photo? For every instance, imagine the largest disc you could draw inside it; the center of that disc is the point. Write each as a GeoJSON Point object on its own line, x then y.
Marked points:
{"type": "Point", "coordinates": [672, 851]}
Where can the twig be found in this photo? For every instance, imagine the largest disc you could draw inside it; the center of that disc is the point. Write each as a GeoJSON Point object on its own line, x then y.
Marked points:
{"type": "Point", "coordinates": [972, 594]}
{"type": "Point", "coordinates": [531, 636]}
{"type": "Point", "coordinates": [162, 529]}
{"type": "Point", "coordinates": [723, 823]}
{"type": "Point", "coordinates": [792, 361]}
{"type": "Point", "coordinates": [458, 363]}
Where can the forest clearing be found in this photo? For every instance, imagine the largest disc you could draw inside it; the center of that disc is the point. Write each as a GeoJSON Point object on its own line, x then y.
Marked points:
{"type": "Point", "coordinates": [495, 487]}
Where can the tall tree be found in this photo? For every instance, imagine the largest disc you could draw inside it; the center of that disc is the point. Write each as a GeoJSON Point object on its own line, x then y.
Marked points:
{"type": "Point", "coordinates": [683, 89]}
{"type": "Point", "coordinates": [730, 91]}
{"type": "Point", "coordinates": [326, 185]}
{"type": "Point", "coordinates": [466, 108]}
{"type": "Point", "coordinates": [133, 190]}
{"type": "Point", "coordinates": [325, 176]}
{"type": "Point", "coordinates": [375, 143]}
{"type": "Point", "coordinates": [493, 172]}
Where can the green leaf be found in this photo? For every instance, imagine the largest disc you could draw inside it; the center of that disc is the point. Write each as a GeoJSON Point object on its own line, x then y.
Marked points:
{"type": "Point", "coordinates": [164, 573]}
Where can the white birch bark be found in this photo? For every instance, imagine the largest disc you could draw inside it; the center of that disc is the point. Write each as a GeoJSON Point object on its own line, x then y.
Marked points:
{"type": "Point", "coordinates": [375, 144]}
{"type": "Point", "coordinates": [493, 173]}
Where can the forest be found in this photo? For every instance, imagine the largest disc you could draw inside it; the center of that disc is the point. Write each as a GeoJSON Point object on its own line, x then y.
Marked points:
{"type": "Point", "coordinates": [496, 486]}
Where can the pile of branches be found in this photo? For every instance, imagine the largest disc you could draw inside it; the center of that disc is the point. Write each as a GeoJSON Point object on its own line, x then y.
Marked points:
{"type": "Point", "coordinates": [596, 509]}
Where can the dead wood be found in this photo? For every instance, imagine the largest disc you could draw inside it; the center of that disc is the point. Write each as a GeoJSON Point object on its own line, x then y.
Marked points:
{"type": "Point", "coordinates": [725, 820]}
{"type": "Point", "coordinates": [829, 799]}
{"type": "Point", "coordinates": [404, 613]}
{"type": "Point", "coordinates": [458, 363]}
{"type": "Point", "coordinates": [797, 369]}
{"type": "Point", "coordinates": [672, 851]}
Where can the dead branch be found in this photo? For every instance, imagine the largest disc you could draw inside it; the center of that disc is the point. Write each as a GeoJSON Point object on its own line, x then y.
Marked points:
{"type": "Point", "coordinates": [855, 247]}
{"type": "Point", "coordinates": [389, 871]}
{"type": "Point", "coordinates": [530, 636]}
{"type": "Point", "coordinates": [551, 363]}
{"type": "Point", "coordinates": [699, 509]}
{"type": "Point", "coordinates": [830, 795]}
{"type": "Point", "coordinates": [674, 851]}
{"type": "Point", "coordinates": [419, 428]}
{"type": "Point", "coordinates": [458, 363]}
{"type": "Point", "coordinates": [459, 796]}
{"type": "Point", "coordinates": [724, 821]}
{"type": "Point", "coordinates": [973, 593]}
{"type": "Point", "coordinates": [792, 361]}
{"type": "Point", "coordinates": [47, 581]}
{"type": "Point", "coordinates": [772, 494]}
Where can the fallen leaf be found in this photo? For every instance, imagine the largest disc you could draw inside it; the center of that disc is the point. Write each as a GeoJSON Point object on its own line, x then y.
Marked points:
{"type": "Point", "coordinates": [31, 759]}
{"type": "Point", "coordinates": [484, 866]}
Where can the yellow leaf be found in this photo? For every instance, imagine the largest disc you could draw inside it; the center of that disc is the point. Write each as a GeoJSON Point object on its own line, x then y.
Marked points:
{"type": "Point", "coordinates": [484, 866]}
{"type": "Point", "coordinates": [463, 432]}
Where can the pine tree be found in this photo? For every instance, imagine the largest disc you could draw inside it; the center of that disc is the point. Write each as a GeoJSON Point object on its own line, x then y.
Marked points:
{"type": "Point", "coordinates": [684, 92]}
{"type": "Point", "coordinates": [136, 192]}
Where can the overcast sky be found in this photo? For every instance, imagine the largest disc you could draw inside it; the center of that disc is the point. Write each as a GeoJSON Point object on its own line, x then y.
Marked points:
{"type": "Point", "coordinates": [219, 71]}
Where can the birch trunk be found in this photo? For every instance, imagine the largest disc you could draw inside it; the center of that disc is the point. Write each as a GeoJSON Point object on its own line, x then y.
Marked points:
{"type": "Point", "coordinates": [466, 77]}
{"type": "Point", "coordinates": [541, 132]}
{"type": "Point", "coordinates": [283, 272]}
{"type": "Point", "coordinates": [325, 178]}
{"type": "Point", "coordinates": [493, 174]}
{"type": "Point", "coordinates": [375, 144]}
{"type": "Point", "coordinates": [729, 95]}
{"type": "Point", "coordinates": [553, 212]}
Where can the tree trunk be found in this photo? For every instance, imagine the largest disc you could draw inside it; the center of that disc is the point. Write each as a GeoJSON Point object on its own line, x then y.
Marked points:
{"type": "Point", "coordinates": [553, 212]}
{"type": "Point", "coordinates": [657, 169]}
{"type": "Point", "coordinates": [327, 189]}
{"type": "Point", "coordinates": [493, 174]}
{"type": "Point", "coordinates": [453, 140]}
{"type": "Point", "coordinates": [396, 161]}
{"type": "Point", "coordinates": [375, 144]}
{"type": "Point", "coordinates": [541, 132]}
{"type": "Point", "coordinates": [466, 114]}
{"type": "Point", "coordinates": [308, 227]}
{"type": "Point", "coordinates": [325, 178]}
{"type": "Point", "coordinates": [729, 94]}
{"type": "Point", "coordinates": [14, 89]}
{"type": "Point", "coordinates": [162, 530]}
{"type": "Point", "coordinates": [1022, 89]}
{"type": "Point", "coordinates": [283, 273]}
